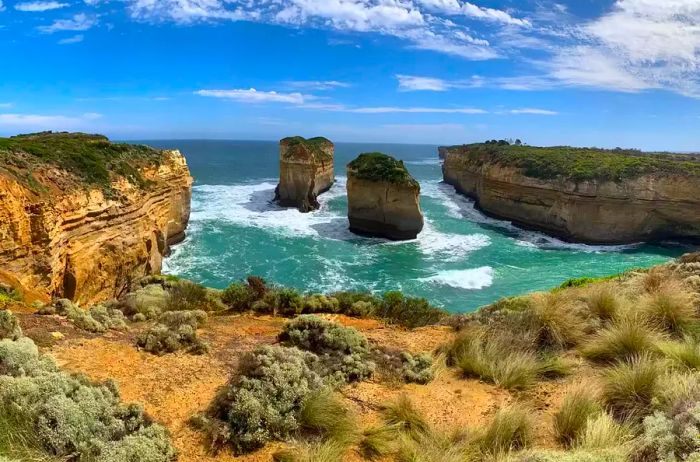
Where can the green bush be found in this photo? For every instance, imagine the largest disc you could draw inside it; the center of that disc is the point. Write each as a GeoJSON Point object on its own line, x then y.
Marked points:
{"type": "Point", "coordinates": [670, 437]}
{"type": "Point", "coordinates": [148, 301]}
{"type": "Point", "coordinates": [9, 326]}
{"type": "Point", "coordinates": [264, 399]}
{"type": "Point", "coordinates": [71, 418]}
{"type": "Point", "coordinates": [187, 296]}
{"type": "Point", "coordinates": [344, 353]}
{"type": "Point", "coordinates": [174, 331]}
{"type": "Point", "coordinates": [408, 312]}
{"type": "Point", "coordinates": [97, 319]}
{"type": "Point", "coordinates": [361, 304]}
{"type": "Point", "coordinates": [376, 166]}
{"type": "Point", "coordinates": [238, 297]}
{"type": "Point", "coordinates": [280, 301]}
{"type": "Point", "coordinates": [317, 303]}
{"type": "Point", "coordinates": [397, 365]}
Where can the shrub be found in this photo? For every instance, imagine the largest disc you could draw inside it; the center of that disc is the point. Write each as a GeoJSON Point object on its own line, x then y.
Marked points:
{"type": "Point", "coordinates": [654, 279]}
{"type": "Point", "coordinates": [174, 331]}
{"type": "Point", "coordinates": [625, 339]}
{"type": "Point", "coordinates": [323, 414]}
{"type": "Point", "coordinates": [361, 304]}
{"type": "Point", "coordinates": [603, 302]}
{"type": "Point", "coordinates": [149, 301]}
{"type": "Point", "coordinates": [417, 369]}
{"type": "Point", "coordinates": [9, 326]}
{"type": "Point", "coordinates": [97, 319]}
{"type": "Point", "coordinates": [670, 437]}
{"type": "Point", "coordinates": [108, 316]}
{"type": "Point", "coordinates": [669, 309]}
{"type": "Point", "coordinates": [630, 387]}
{"type": "Point", "coordinates": [579, 405]}
{"type": "Point", "coordinates": [71, 418]}
{"type": "Point", "coordinates": [238, 297]}
{"type": "Point", "coordinates": [186, 296]}
{"type": "Point", "coordinates": [618, 454]}
{"type": "Point", "coordinates": [284, 302]}
{"type": "Point", "coordinates": [7, 295]}
{"type": "Point", "coordinates": [408, 312]}
{"type": "Point", "coordinates": [264, 400]}
{"type": "Point", "coordinates": [316, 303]}
{"type": "Point", "coordinates": [510, 430]}
{"type": "Point", "coordinates": [344, 353]}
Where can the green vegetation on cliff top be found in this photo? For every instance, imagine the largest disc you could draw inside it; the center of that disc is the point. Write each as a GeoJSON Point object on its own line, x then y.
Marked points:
{"type": "Point", "coordinates": [579, 164]}
{"type": "Point", "coordinates": [376, 166]}
{"type": "Point", "coordinates": [91, 158]}
{"type": "Point", "coordinates": [313, 145]}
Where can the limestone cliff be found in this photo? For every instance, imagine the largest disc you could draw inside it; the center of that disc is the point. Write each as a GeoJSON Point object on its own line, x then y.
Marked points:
{"type": "Point", "coordinates": [383, 198]}
{"type": "Point", "coordinates": [582, 195]}
{"type": "Point", "coordinates": [306, 170]}
{"type": "Point", "coordinates": [80, 216]}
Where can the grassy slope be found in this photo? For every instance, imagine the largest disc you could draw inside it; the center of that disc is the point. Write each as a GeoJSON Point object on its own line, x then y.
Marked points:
{"type": "Point", "coordinates": [580, 164]}
{"type": "Point", "coordinates": [93, 159]}
{"type": "Point", "coordinates": [313, 145]}
{"type": "Point", "coordinates": [376, 166]}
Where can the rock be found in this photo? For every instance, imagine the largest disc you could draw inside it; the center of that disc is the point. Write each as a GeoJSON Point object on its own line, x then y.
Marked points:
{"type": "Point", "coordinates": [64, 236]}
{"type": "Point", "coordinates": [383, 198]}
{"type": "Point", "coordinates": [646, 199]}
{"type": "Point", "coordinates": [306, 170]}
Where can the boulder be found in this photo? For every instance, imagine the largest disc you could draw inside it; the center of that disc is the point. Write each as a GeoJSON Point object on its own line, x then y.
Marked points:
{"type": "Point", "coordinates": [306, 170]}
{"type": "Point", "coordinates": [383, 198]}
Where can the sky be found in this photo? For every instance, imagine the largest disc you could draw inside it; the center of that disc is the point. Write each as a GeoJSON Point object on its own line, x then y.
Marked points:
{"type": "Point", "coordinates": [577, 72]}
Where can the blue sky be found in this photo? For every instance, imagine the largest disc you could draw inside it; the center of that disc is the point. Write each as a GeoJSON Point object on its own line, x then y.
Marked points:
{"type": "Point", "coordinates": [582, 72]}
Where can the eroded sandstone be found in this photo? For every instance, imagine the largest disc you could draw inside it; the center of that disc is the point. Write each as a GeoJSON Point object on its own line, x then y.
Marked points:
{"type": "Point", "coordinates": [646, 204]}
{"type": "Point", "coordinates": [306, 170]}
{"type": "Point", "coordinates": [63, 237]}
{"type": "Point", "coordinates": [383, 198]}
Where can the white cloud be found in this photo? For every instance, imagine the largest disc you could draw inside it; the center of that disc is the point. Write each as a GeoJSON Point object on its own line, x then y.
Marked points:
{"type": "Point", "coordinates": [79, 22]}
{"type": "Point", "coordinates": [638, 45]}
{"type": "Point", "coordinates": [318, 84]}
{"type": "Point", "coordinates": [533, 111]}
{"type": "Point", "coordinates": [46, 122]}
{"type": "Point", "coordinates": [416, 83]}
{"type": "Point", "coordinates": [39, 6]}
{"type": "Point", "coordinates": [2, 8]}
{"type": "Point", "coordinates": [187, 11]}
{"type": "Point", "coordinates": [413, 110]}
{"type": "Point", "coordinates": [70, 40]}
{"type": "Point", "coordinates": [454, 7]}
{"type": "Point", "coordinates": [254, 96]}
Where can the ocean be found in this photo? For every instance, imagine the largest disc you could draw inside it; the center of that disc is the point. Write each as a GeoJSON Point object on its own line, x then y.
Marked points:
{"type": "Point", "coordinates": [461, 260]}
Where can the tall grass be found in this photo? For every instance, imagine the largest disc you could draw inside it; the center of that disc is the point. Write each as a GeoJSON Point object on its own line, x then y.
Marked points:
{"type": "Point", "coordinates": [625, 339]}
{"type": "Point", "coordinates": [684, 354]}
{"type": "Point", "coordinates": [602, 432]}
{"type": "Point", "coordinates": [603, 302]}
{"type": "Point", "coordinates": [580, 405]}
{"type": "Point", "coordinates": [670, 309]}
{"type": "Point", "coordinates": [325, 451]}
{"type": "Point", "coordinates": [326, 415]}
{"type": "Point", "coordinates": [630, 387]}
{"type": "Point", "coordinates": [378, 442]}
{"type": "Point", "coordinates": [511, 429]}
{"type": "Point", "coordinates": [556, 321]}
{"type": "Point", "coordinates": [402, 415]}
{"type": "Point", "coordinates": [438, 446]}
{"type": "Point", "coordinates": [494, 359]}
{"type": "Point", "coordinates": [19, 441]}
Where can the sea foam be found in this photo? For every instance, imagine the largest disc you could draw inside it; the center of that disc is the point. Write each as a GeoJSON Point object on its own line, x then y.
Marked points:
{"type": "Point", "coordinates": [469, 279]}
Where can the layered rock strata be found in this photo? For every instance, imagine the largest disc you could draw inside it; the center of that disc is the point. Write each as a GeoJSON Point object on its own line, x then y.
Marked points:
{"type": "Point", "coordinates": [588, 196]}
{"type": "Point", "coordinates": [64, 234]}
{"type": "Point", "coordinates": [383, 198]}
{"type": "Point", "coordinates": [306, 170]}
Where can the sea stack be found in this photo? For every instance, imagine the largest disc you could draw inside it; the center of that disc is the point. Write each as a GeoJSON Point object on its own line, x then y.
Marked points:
{"type": "Point", "coordinates": [383, 198]}
{"type": "Point", "coordinates": [306, 170]}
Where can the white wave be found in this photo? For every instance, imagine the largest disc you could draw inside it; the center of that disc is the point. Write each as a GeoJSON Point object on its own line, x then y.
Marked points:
{"type": "Point", "coordinates": [470, 279]}
{"type": "Point", "coordinates": [435, 161]}
{"type": "Point", "coordinates": [250, 205]}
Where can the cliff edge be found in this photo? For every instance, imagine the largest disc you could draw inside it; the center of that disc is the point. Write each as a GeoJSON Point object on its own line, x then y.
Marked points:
{"type": "Point", "coordinates": [579, 194]}
{"type": "Point", "coordinates": [306, 170]}
{"type": "Point", "coordinates": [383, 198]}
{"type": "Point", "coordinates": [80, 216]}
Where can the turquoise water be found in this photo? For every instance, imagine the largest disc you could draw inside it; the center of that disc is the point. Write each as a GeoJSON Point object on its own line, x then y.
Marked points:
{"type": "Point", "coordinates": [461, 260]}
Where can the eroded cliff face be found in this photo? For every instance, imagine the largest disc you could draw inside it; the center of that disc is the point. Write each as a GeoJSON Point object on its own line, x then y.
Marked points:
{"type": "Point", "coordinates": [306, 170]}
{"type": "Point", "coordinates": [383, 199]}
{"type": "Point", "coordinates": [647, 207]}
{"type": "Point", "coordinates": [60, 237]}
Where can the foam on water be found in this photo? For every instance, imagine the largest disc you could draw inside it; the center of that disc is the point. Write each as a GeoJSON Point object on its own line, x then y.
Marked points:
{"type": "Point", "coordinates": [469, 279]}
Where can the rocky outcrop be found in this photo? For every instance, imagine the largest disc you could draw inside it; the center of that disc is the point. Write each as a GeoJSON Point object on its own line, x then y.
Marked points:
{"type": "Point", "coordinates": [65, 236]}
{"type": "Point", "coordinates": [306, 170]}
{"type": "Point", "coordinates": [442, 152]}
{"type": "Point", "coordinates": [383, 198]}
{"type": "Point", "coordinates": [600, 198]}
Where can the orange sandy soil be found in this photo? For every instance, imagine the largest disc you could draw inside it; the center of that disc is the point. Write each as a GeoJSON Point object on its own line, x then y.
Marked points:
{"type": "Point", "coordinates": [174, 387]}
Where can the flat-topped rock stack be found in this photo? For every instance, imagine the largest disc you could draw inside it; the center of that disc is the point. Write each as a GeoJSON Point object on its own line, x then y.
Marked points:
{"type": "Point", "coordinates": [383, 198]}
{"type": "Point", "coordinates": [306, 170]}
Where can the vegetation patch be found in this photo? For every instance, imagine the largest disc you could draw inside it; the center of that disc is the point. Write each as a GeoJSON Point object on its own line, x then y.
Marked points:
{"type": "Point", "coordinates": [376, 166]}
{"type": "Point", "coordinates": [47, 413]}
{"type": "Point", "coordinates": [97, 319]}
{"type": "Point", "coordinates": [578, 164]}
{"type": "Point", "coordinates": [315, 146]}
{"type": "Point", "coordinates": [91, 158]}
{"type": "Point", "coordinates": [175, 331]}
